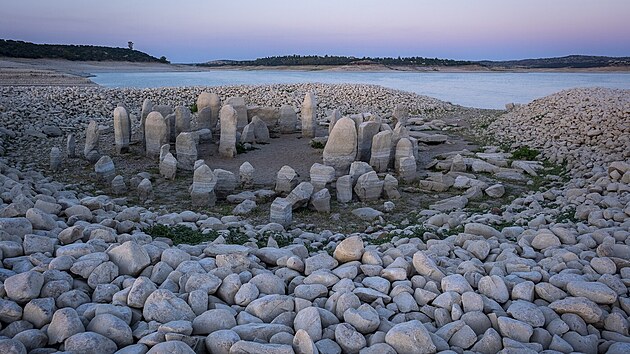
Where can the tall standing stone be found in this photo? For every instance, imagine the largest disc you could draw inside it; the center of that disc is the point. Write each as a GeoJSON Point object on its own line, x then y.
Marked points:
{"type": "Point", "coordinates": [156, 133]}
{"type": "Point", "coordinates": [309, 115]}
{"type": "Point", "coordinates": [238, 103]}
{"type": "Point", "coordinates": [366, 133]}
{"type": "Point", "coordinates": [170, 123]}
{"type": "Point", "coordinates": [168, 167]}
{"type": "Point", "coordinates": [229, 121]}
{"type": "Point", "coordinates": [186, 149]}
{"type": "Point", "coordinates": [202, 190]}
{"type": "Point", "coordinates": [147, 107]}
{"type": "Point", "coordinates": [55, 158]}
{"type": "Point", "coordinates": [122, 128]}
{"type": "Point", "coordinates": [335, 115]}
{"type": "Point", "coordinates": [381, 151]}
{"type": "Point", "coordinates": [182, 120]}
{"type": "Point", "coordinates": [401, 114]}
{"type": "Point", "coordinates": [286, 180]}
{"type": "Point", "coordinates": [71, 146]}
{"type": "Point", "coordinates": [398, 133]}
{"type": "Point", "coordinates": [404, 148]}
{"type": "Point", "coordinates": [341, 148]}
{"type": "Point", "coordinates": [91, 138]}
{"type": "Point", "coordinates": [288, 119]}
{"type": "Point", "coordinates": [246, 175]}
{"type": "Point", "coordinates": [405, 162]}
{"type": "Point", "coordinates": [105, 169]}
{"type": "Point", "coordinates": [281, 212]}
{"type": "Point", "coordinates": [208, 107]}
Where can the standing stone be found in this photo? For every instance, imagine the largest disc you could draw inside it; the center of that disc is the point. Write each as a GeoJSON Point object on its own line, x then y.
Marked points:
{"type": "Point", "coordinates": [248, 135]}
{"type": "Point", "coordinates": [400, 114]}
{"type": "Point", "coordinates": [122, 129]}
{"type": "Point", "coordinates": [281, 212]}
{"type": "Point", "coordinates": [238, 103]}
{"type": "Point", "coordinates": [404, 148]}
{"type": "Point", "coordinates": [229, 121]}
{"type": "Point", "coordinates": [145, 190]}
{"type": "Point", "coordinates": [366, 133]}
{"type": "Point", "coordinates": [335, 115]}
{"type": "Point", "coordinates": [186, 149]}
{"type": "Point", "coordinates": [407, 169]}
{"type": "Point", "coordinates": [208, 107]}
{"type": "Point", "coordinates": [368, 187]}
{"type": "Point", "coordinates": [320, 201]}
{"type": "Point", "coordinates": [182, 119]}
{"type": "Point", "coordinates": [261, 132]}
{"type": "Point", "coordinates": [164, 109]}
{"type": "Point", "coordinates": [344, 189]}
{"type": "Point", "coordinates": [156, 134]}
{"type": "Point", "coordinates": [71, 146]}
{"type": "Point", "coordinates": [458, 164]}
{"type": "Point", "coordinates": [286, 180]}
{"type": "Point", "coordinates": [91, 138]}
{"type": "Point", "coordinates": [202, 190]}
{"type": "Point", "coordinates": [105, 169]}
{"type": "Point", "coordinates": [381, 150]}
{"type": "Point", "coordinates": [118, 185]}
{"type": "Point", "coordinates": [225, 183]}
{"type": "Point", "coordinates": [170, 123]}
{"type": "Point", "coordinates": [147, 107]}
{"type": "Point", "coordinates": [390, 187]}
{"type": "Point", "coordinates": [168, 166]}
{"type": "Point", "coordinates": [288, 119]}
{"type": "Point", "coordinates": [341, 147]}
{"type": "Point", "coordinates": [398, 133]}
{"type": "Point", "coordinates": [321, 175]}
{"type": "Point", "coordinates": [300, 195]}
{"type": "Point", "coordinates": [246, 175]}
{"type": "Point", "coordinates": [309, 115]}
{"type": "Point", "coordinates": [164, 150]}
{"type": "Point", "coordinates": [55, 158]}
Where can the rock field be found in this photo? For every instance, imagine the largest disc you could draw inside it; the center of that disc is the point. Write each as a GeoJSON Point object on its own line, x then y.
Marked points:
{"type": "Point", "coordinates": [548, 271]}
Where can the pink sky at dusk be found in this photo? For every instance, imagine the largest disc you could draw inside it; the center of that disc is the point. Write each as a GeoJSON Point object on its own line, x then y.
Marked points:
{"type": "Point", "coordinates": [197, 30]}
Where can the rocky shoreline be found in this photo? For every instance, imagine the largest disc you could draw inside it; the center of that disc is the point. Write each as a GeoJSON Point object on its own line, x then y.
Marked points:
{"type": "Point", "coordinates": [548, 270]}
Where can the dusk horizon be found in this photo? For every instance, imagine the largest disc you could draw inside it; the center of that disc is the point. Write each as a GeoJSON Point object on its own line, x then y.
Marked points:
{"type": "Point", "coordinates": [196, 31]}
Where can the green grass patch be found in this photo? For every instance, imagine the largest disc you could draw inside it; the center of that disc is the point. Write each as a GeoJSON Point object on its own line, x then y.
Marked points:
{"type": "Point", "coordinates": [242, 149]}
{"type": "Point", "coordinates": [525, 153]}
{"type": "Point", "coordinates": [317, 144]}
{"type": "Point", "coordinates": [193, 108]}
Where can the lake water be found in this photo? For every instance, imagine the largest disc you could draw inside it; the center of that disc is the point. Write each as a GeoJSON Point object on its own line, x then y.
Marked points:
{"type": "Point", "coordinates": [482, 90]}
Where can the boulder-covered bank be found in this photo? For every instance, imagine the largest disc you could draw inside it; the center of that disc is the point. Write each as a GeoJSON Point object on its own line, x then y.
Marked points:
{"type": "Point", "coordinates": [548, 273]}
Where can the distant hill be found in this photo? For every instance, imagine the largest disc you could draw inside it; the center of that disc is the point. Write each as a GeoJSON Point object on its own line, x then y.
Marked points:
{"type": "Point", "coordinates": [327, 60]}
{"type": "Point", "coordinates": [571, 61]}
{"type": "Point", "coordinates": [19, 49]}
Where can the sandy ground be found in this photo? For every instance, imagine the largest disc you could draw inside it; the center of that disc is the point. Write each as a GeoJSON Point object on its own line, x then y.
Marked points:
{"type": "Point", "coordinates": [57, 72]}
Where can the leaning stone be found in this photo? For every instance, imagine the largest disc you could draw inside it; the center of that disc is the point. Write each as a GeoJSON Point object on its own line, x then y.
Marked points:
{"type": "Point", "coordinates": [91, 138]}
{"type": "Point", "coordinates": [261, 132]}
{"type": "Point", "coordinates": [248, 136]}
{"type": "Point", "coordinates": [122, 129]}
{"type": "Point", "coordinates": [55, 159]}
{"type": "Point", "coordinates": [309, 115]}
{"type": "Point", "coordinates": [105, 169]}
{"type": "Point", "coordinates": [300, 195]}
{"type": "Point", "coordinates": [281, 212]}
{"type": "Point", "coordinates": [341, 149]}
{"type": "Point", "coordinates": [186, 150]}
{"type": "Point", "coordinates": [228, 120]}
{"type": "Point", "coordinates": [168, 167]}
{"type": "Point", "coordinates": [238, 103]}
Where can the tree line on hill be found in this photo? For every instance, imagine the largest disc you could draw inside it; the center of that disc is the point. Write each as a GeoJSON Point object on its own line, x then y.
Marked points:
{"type": "Point", "coordinates": [19, 49]}
{"type": "Point", "coordinates": [333, 60]}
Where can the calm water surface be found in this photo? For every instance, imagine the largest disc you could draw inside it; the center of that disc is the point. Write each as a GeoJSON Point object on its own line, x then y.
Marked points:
{"type": "Point", "coordinates": [482, 90]}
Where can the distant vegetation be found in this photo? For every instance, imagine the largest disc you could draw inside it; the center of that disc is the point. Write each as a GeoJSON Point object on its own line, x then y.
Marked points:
{"type": "Point", "coordinates": [326, 60]}
{"type": "Point", "coordinates": [19, 49]}
{"type": "Point", "coordinates": [572, 61]}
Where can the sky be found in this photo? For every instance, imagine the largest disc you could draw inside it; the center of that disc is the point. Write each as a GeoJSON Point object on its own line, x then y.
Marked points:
{"type": "Point", "coordinates": [190, 31]}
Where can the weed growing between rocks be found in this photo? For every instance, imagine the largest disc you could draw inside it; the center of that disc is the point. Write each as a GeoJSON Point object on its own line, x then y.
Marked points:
{"type": "Point", "coordinates": [181, 234]}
